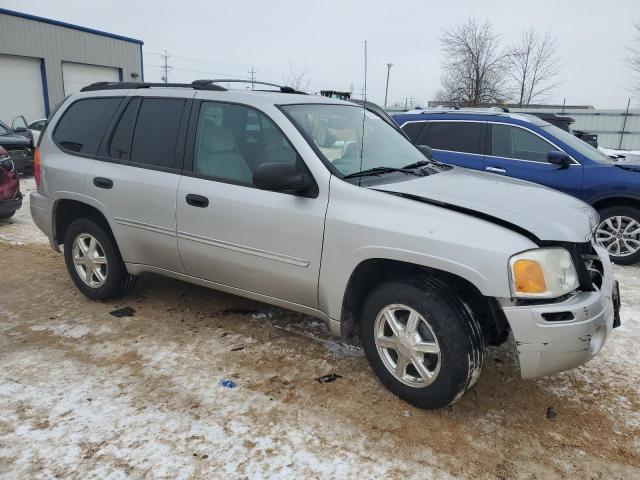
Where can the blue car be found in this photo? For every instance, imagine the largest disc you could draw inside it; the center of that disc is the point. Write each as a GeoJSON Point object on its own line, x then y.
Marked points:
{"type": "Point", "coordinates": [526, 147]}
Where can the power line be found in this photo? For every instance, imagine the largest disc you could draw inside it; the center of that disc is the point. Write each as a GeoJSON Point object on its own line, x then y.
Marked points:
{"type": "Point", "coordinates": [182, 69]}
{"type": "Point", "coordinates": [230, 66]}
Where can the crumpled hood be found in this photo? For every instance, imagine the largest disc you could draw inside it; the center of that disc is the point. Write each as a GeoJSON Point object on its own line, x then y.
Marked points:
{"type": "Point", "coordinates": [14, 139]}
{"type": "Point", "coordinates": [547, 214]}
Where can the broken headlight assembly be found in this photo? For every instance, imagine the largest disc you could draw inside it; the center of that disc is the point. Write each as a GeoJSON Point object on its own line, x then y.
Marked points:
{"type": "Point", "coordinates": [542, 273]}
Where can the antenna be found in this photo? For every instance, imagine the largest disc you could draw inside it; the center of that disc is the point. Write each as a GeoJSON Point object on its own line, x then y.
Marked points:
{"type": "Point", "coordinates": [364, 110]}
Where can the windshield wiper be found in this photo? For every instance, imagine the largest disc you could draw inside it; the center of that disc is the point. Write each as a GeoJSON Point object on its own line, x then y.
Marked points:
{"type": "Point", "coordinates": [382, 170]}
{"type": "Point", "coordinates": [423, 163]}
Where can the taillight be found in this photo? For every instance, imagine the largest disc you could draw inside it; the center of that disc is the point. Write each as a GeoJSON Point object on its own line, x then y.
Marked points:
{"type": "Point", "coordinates": [36, 166]}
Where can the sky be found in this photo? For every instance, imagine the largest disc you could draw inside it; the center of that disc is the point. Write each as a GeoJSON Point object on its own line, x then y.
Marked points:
{"type": "Point", "coordinates": [215, 39]}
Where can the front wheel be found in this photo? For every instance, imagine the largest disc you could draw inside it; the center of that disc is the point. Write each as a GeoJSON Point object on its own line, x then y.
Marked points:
{"type": "Point", "coordinates": [619, 233]}
{"type": "Point", "coordinates": [422, 341]}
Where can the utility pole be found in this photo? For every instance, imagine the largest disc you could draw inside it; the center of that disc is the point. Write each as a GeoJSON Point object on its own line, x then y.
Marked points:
{"type": "Point", "coordinates": [166, 68]}
{"type": "Point", "coordinates": [252, 73]}
{"type": "Point", "coordinates": [386, 90]}
{"type": "Point", "coordinates": [624, 124]}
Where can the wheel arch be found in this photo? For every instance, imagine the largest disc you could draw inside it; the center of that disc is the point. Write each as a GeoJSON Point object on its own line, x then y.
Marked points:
{"type": "Point", "coordinates": [372, 272]}
{"type": "Point", "coordinates": [66, 210]}
{"type": "Point", "coordinates": [616, 200]}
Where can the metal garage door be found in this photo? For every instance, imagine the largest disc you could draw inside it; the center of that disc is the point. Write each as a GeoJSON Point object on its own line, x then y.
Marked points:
{"type": "Point", "coordinates": [78, 75]}
{"type": "Point", "coordinates": [21, 90]}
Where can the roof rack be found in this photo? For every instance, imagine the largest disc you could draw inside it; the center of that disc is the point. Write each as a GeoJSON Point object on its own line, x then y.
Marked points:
{"type": "Point", "coordinates": [204, 84]}
{"type": "Point", "coordinates": [282, 88]}
{"type": "Point", "coordinates": [137, 85]}
{"type": "Point", "coordinates": [456, 109]}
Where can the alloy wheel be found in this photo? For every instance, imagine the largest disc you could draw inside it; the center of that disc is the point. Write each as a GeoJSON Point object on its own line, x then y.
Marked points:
{"type": "Point", "coordinates": [90, 260]}
{"type": "Point", "coordinates": [619, 235]}
{"type": "Point", "coordinates": [407, 345]}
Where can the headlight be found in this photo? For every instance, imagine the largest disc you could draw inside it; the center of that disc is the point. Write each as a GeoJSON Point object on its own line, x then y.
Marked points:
{"type": "Point", "coordinates": [6, 163]}
{"type": "Point", "coordinates": [542, 273]}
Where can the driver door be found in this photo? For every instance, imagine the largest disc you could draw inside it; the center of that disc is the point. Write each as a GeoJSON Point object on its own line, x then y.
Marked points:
{"type": "Point", "coordinates": [231, 232]}
{"type": "Point", "coordinates": [518, 152]}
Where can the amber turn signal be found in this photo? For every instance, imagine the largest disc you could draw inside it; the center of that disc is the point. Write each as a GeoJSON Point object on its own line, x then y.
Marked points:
{"type": "Point", "coordinates": [528, 277]}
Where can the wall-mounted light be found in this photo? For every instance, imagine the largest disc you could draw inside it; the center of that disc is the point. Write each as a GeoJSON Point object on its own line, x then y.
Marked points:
{"type": "Point", "coordinates": [134, 75]}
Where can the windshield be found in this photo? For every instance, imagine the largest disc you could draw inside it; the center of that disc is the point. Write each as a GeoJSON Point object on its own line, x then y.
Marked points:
{"type": "Point", "coordinates": [579, 145]}
{"type": "Point", "coordinates": [337, 132]}
{"type": "Point", "coordinates": [4, 131]}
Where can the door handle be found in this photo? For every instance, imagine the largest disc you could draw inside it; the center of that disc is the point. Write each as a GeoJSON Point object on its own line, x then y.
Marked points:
{"type": "Point", "coordinates": [495, 170]}
{"type": "Point", "coordinates": [197, 200]}
{"type": "Point", "coordinates": [102, 182]}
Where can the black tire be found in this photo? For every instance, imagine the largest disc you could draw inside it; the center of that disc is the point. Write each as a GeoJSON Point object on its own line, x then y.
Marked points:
{"type": "Point", "coordinates": [621, 211]}
{"type": "Point", "coordinates": [117, 281]}
{"type": "Point", "coordinates": [457, 331]}
{"type": "Point", "coordinates": [6, 216]}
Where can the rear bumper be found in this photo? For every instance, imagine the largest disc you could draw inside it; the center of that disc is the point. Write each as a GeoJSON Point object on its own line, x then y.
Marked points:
{"type": "Point", "coordinates": [8, 206]}
{"type": "Point", "coordinates": [42, 214]}
{"type": "Point", "coordinates": [546, 347]}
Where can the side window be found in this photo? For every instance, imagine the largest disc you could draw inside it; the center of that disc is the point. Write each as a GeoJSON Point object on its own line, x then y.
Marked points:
{"type": "Point", "coordinates": [232, 141]}
{"type": "Point", "coordinates": [156, 132]}
{"type": "Point", "coordinates": [122, 138]}
{"type": "Point", "coordinates": [413, 130]}
{"type": "Point", "coordinates": [517, 143]}
{"type": "Point", "coordinates": [467, 137]}
{"type": "Point", "coordinates": [83, 124]}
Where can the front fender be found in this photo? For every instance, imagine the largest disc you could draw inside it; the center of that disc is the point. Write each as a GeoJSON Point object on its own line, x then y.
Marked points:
{"type": "Point", "coordinates": [363, 224]}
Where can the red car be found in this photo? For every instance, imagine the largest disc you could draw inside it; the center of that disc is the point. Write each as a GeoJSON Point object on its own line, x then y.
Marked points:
{"type": "Point", "coordinates": [10, 196]}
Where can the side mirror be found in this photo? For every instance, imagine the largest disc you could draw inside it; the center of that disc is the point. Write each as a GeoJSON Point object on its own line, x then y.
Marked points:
{"type": "Point", "coordinates": [20, 130]}
{"type": "Point", "coordinates": [426, 151]}
{"type": "Point", "coordinates": [282, 177]}
{"type": "Point", "coordinates": [562, 159]}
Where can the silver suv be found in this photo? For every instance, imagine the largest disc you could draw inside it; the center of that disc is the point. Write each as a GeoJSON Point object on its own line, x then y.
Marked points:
{"type": "Point", "coordinates": [323, 207]}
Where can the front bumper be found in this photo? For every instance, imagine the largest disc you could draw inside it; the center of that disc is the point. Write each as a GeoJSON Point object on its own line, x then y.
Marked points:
{"type": "Point", "coordinates": [8, 206]}
{"type": "Point", "coordinates": [546, 347]}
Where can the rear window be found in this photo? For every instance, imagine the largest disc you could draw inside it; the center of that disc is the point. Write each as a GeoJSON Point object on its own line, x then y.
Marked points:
{"type": "Point", "coordinates": [467, 137]}
{"type": "Point", "coordinates": [84, 123]}
{"type": "Point", "coordinates": [156, 133]}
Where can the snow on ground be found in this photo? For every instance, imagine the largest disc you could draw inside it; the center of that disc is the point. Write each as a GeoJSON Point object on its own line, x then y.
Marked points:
{"type": "Point", "coordinates": [84, 394]}
{"type": "Point", "coordinates": [20, 228]}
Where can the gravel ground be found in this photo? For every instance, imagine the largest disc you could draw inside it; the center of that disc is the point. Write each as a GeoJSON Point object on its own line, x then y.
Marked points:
{"type": "Point", "coordinates": [84, 394]}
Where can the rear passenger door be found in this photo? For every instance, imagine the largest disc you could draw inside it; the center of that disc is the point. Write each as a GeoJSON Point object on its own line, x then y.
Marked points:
{"type": "Point", "coordinates": [136, 177]}
{"type": "Point", "coordinates": [456, 142]}
{"type": "Point", "coordinates": [231, 232]}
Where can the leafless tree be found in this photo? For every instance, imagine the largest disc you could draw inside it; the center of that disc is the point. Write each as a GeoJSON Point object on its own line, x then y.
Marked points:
{"type": "Point", "coordinates": [534, 66]}
{"type": "Point", "coordinates": [297, 79]}
{"type": "Point", "coordinates": [633, 59]}
{"type": "Point", "coordinates": [474, 70]}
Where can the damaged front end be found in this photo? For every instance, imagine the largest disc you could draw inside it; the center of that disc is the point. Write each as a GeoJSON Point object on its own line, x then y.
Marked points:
{"type": "Point", "coordinates": [556, 335]}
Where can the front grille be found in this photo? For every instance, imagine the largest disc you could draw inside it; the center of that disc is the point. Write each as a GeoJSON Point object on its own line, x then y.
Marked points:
{"type": "Point", "coordinates": [593, 265]}
{"type": "Point", "coordinates": [18, 154]}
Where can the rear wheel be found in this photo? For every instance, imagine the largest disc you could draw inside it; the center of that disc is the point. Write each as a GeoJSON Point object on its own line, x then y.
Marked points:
{"type": "Point", "coordinates": [619, 233]}
{"type": "Point", "coordinates": [93, 261]}
{"type": "Point", "coordinates": [422, 341]}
